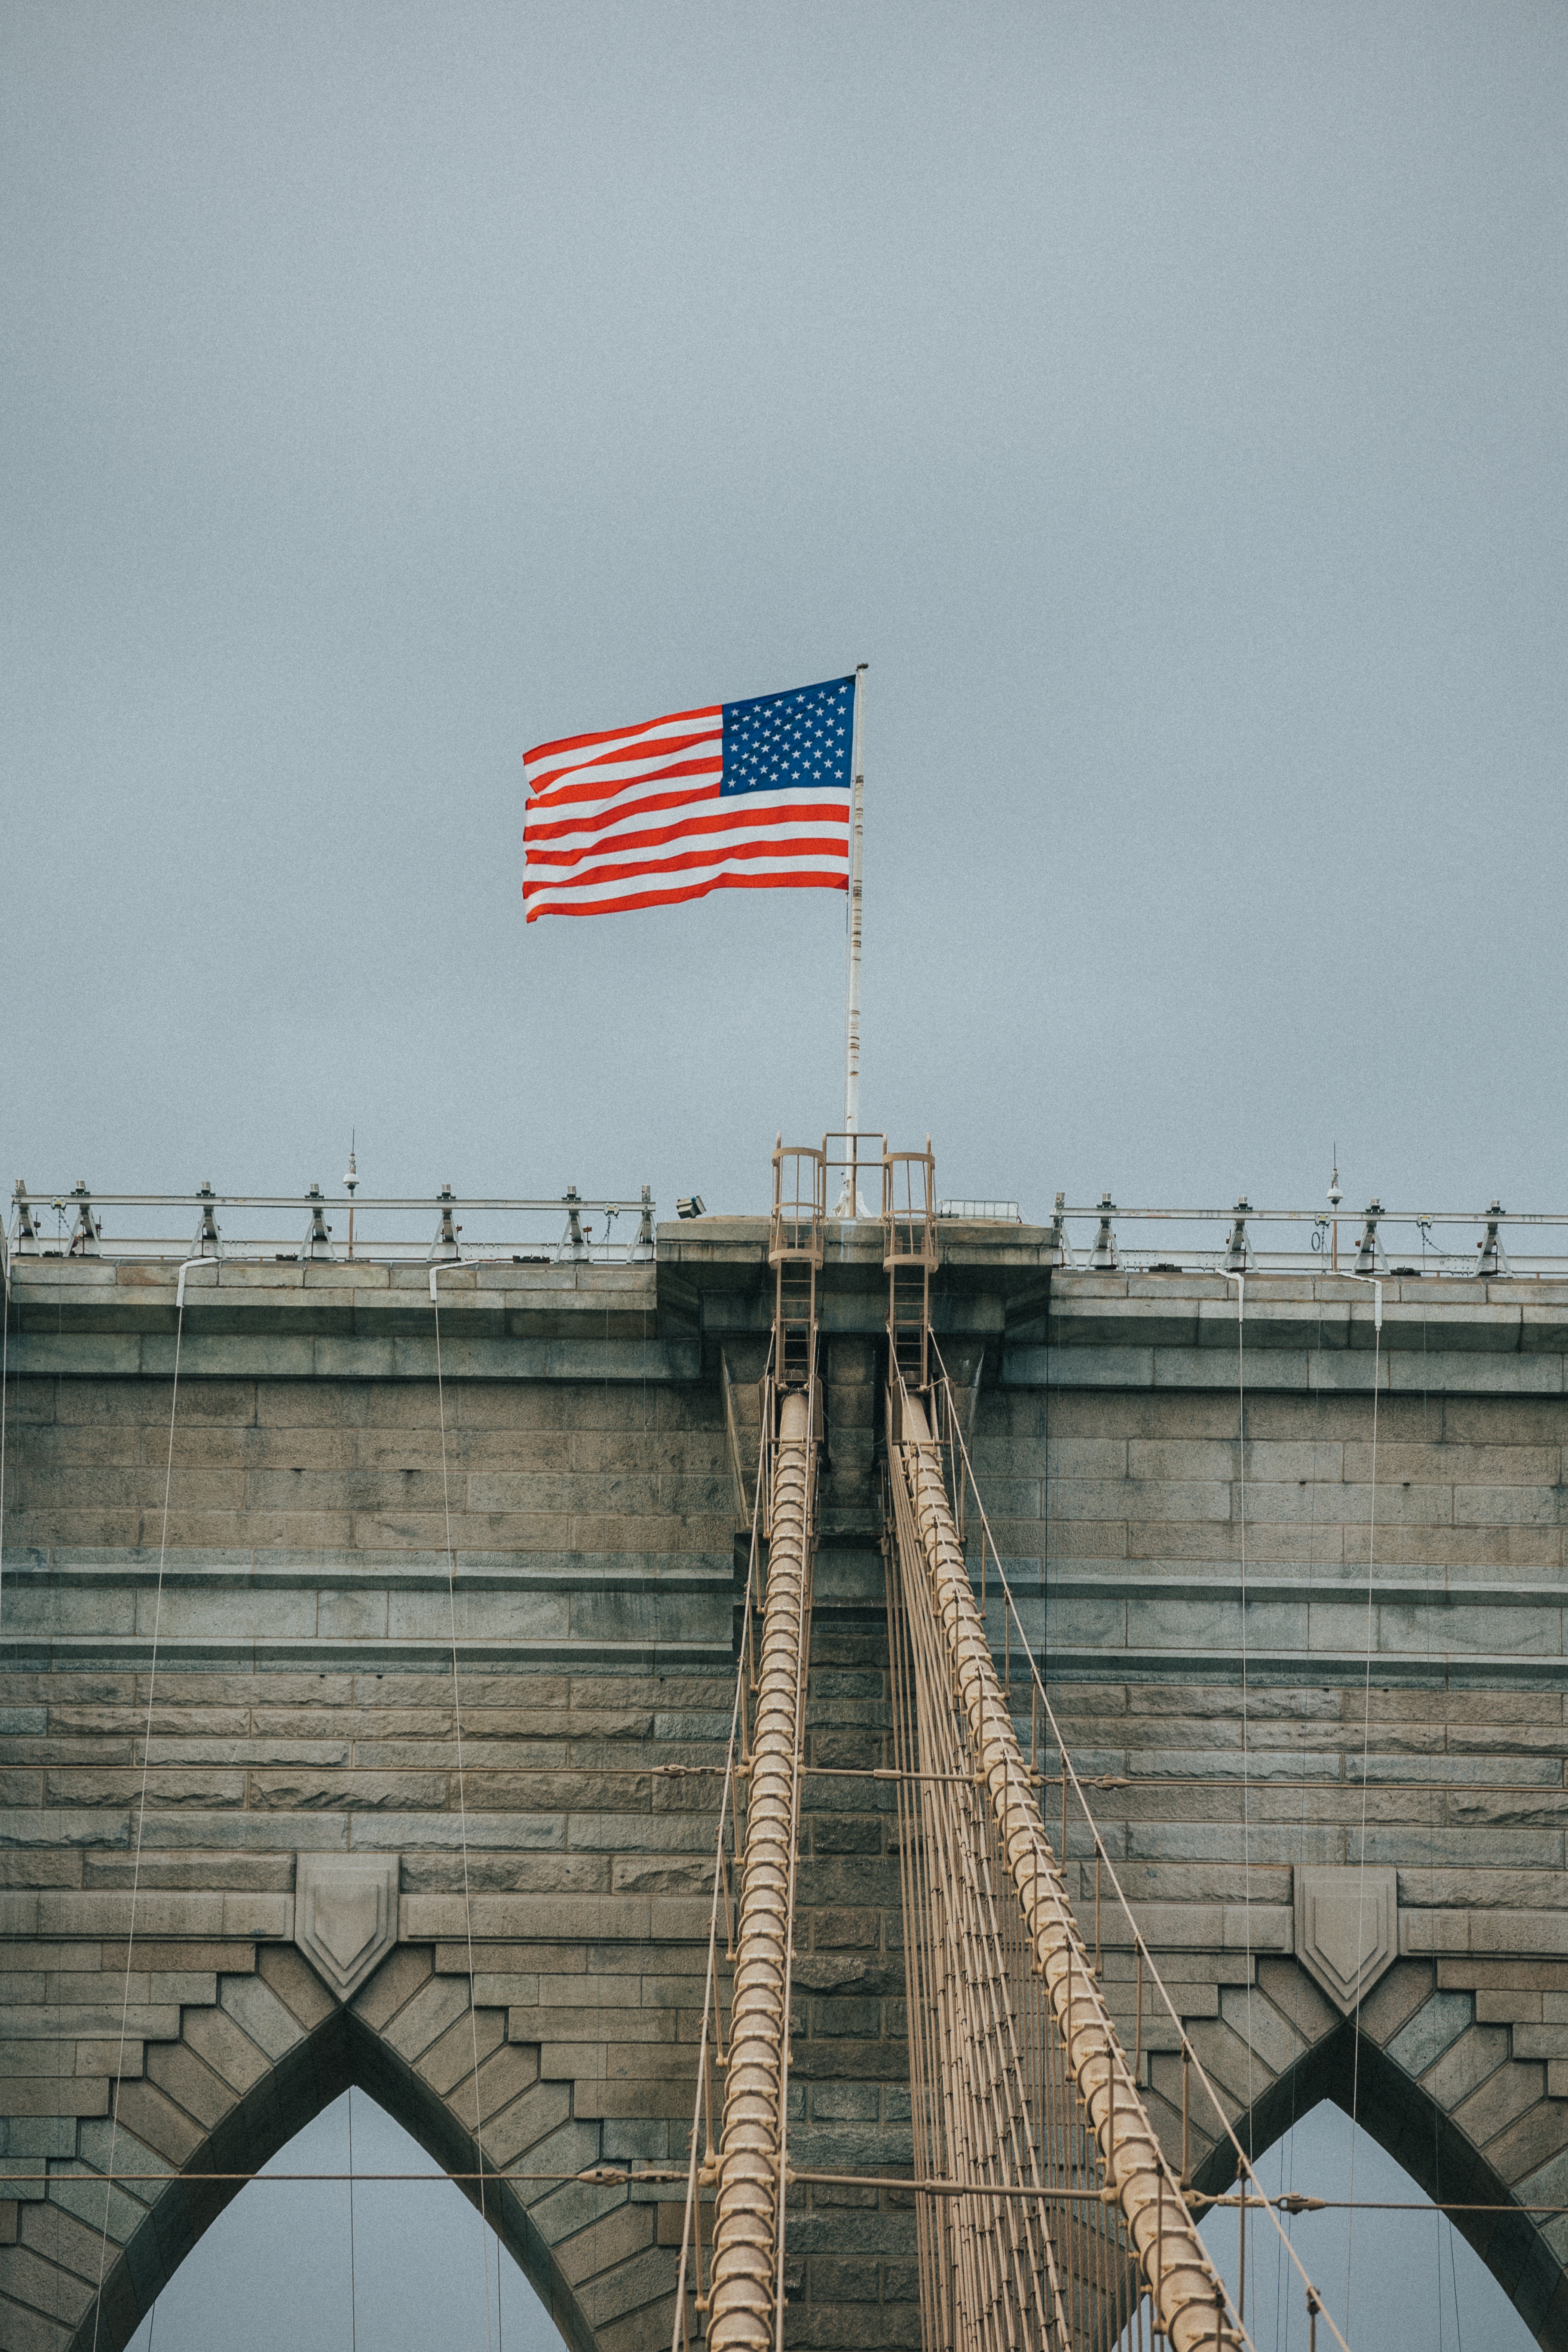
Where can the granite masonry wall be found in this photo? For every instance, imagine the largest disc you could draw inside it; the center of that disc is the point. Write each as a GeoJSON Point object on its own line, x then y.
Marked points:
{"type": "Point", "coordinates": [569, 1503]}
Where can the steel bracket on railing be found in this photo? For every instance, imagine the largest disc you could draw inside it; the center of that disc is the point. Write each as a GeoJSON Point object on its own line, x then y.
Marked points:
{"type": "Point", "coordinates": [1238, 1249]}
{"type": "Point", "coordinates": [445, 1244]}
{"type": "Point", "coordinates": [1369, 1257]}
{"type": "Point", "coordinates": [318, 1237]}
{"type": "Point", "coordinates": [88, 1232]}
{"type": "Point", "coordinates": [1102, 1257]}
{"type": "Point", "coordinates": [27, 1241]}
{"type": "Point", "coordinates": [208, 1240]}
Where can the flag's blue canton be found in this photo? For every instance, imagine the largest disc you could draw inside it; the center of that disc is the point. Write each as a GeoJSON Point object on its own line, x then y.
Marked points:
{"type": "Point", "coordinates": [802, 739]}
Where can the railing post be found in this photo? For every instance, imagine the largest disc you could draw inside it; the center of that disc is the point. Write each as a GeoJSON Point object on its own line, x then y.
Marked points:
{"type": "Point", "coordinates": [318, 1242]}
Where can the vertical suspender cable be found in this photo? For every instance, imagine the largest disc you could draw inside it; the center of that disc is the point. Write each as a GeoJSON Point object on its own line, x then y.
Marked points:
{"type": "Point", "coordinates": [141, 1802]}
{"type": "Point", "coordinates": [353, 2294]}
{"type": "Point", "coordinates": [1239, 1279]}
{"type": "Point", "coordinates": [1365, 1764]}
{"type": "Point", "coordinates": [462, 1798]}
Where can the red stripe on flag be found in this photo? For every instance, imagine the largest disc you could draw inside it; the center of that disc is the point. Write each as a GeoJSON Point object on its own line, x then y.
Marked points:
{"type": "Point", "coordinates": [604, 871]}
{"type": "Point", "coordinates": [689, 828]}
{"type": "Point", "coordinates": [621, 734]}
{"type": "Point", "coordinates": [607, 788]}
{"type": "Point", "coordinates": [804, 880]}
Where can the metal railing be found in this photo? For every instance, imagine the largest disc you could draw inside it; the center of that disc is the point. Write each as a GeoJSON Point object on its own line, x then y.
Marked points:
{"type": "Point", "coordinates": [1374, 1240]}
{"type": "Point", "coordinates": [571, 1227]}
{"type": "Point", "coordinates": [854, 1158]}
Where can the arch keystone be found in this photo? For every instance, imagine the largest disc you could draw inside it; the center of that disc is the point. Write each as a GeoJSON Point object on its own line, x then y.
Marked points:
{"type": "Point", "coordinates": [345, 1915]}
{"type": "Point", "coordinates": [1347, 1928]}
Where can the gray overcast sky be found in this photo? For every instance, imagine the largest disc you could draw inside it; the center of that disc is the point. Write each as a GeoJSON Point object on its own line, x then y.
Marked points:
{"type": "Point", "coordinates": [1413, 2285]}
{"type": "Point", "coordinates": [1167, 402]}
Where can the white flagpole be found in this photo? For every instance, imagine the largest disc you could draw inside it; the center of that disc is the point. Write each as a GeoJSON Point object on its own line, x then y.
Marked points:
{"type": "Point", "coordinates": [852, 1021]}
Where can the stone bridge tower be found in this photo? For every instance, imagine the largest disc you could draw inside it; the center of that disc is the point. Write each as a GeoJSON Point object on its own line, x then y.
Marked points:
{"type": "Point", "coordinates": [1350, 1863]}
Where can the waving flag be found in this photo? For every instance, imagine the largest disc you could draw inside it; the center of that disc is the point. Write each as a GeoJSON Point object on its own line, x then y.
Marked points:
{"type": "Point", "coordinates": [737, 796]}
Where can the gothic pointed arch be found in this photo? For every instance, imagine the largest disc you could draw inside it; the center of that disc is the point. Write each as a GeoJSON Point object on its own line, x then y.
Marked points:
{"type": "Point", "coordinates": [249, 2072]}
{"type": "Point", "coordinates": [1428, 2073]}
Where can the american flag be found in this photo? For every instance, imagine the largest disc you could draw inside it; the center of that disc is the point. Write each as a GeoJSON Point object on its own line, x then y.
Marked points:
{"type": "Point", "coordinates": [737, 796]}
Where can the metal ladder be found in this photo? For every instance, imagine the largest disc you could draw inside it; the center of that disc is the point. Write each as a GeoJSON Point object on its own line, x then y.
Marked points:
{"type": "Point", "coordinates": [909, 1259]}
{"type": "Point", "coordinates": [794, 1253]}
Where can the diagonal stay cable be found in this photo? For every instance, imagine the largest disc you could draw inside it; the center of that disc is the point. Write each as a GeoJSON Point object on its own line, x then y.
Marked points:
{"type": "Point", "coordinates": [1253, 2186]}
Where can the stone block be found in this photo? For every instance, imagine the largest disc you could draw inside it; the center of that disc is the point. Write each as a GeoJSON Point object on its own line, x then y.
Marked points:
{"type": "Point", "coordinates": [122, 2059]}
{"type": "Point", "coordinates": [670, 2099]}
{"type": "Point", "coordinates": [1541, 2040]}
{"type": "Point", "coordinates": [296, 1984]}
{"type": "Point", "coordinates": [275, 1791]}
{"type": "Point", "coordinates": [31, 2279]}
{"type": "Point", "coordinates": [1467, 2063]}
{"type": "Point", "coordinates": [1536, 1975]}
{"type": "Point", "coordinates": [619, 2237]}
{"type": "Point", "coordinates": [189, 2083]}
{"type": "Point", "coordinates": [105, 2145]}
{"type": "Point", "coordinates": [1440, 2020]}
{"type": "Point", "coordinates": [591, 1918]}
{"type": "Point", "coordinates": [81, 2191]}
{"type": "Point", "coordinates": [28, 2330]}
{"type": "Point", "coordinates": [608, 2059]}
{"type": "Point", "coordinates": [471, 2038]}
{"type": "Point", "coordinates": [1257, 2022]}
{"type": "Point", "coordinates": [52, 2096]}
{"type": "Point", "coordinates": [512, 1832]}
{"type": "Point", "coordinates": [147, 2022]}
{"type": "Point", "coordinates": [1502, 2098]}
{"type": "Point", "coordinates": [1538, 2133]}
{"type": "Point", "coordinates": [397, 1981]}
{"type": "Point", "coordinates": [1509, 2008]}
{"type": "Point", "coordinates": [217, 2039]}
{"type": "Point", "coordinates": [426, 2015]}
{"type": "Point", "coordinates": [505, 2074]}
{"type": "Point", "coordinates": [270, 2023]}
{"type": "Point", "coordinates": [526, 2120]}
{"type": "Point", "coordinates": [41, 2135]}
{"type": "Point", "coordinates": [1258, 1927]}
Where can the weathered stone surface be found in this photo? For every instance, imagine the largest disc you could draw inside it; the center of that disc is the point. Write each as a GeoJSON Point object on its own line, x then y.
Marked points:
{"type": "Point", "coordinates": [304, 1712]}
{"type": "Point", "coordinates": [345, 1915]}
{"type": "Point", "coordinates": [1347, 1928]}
